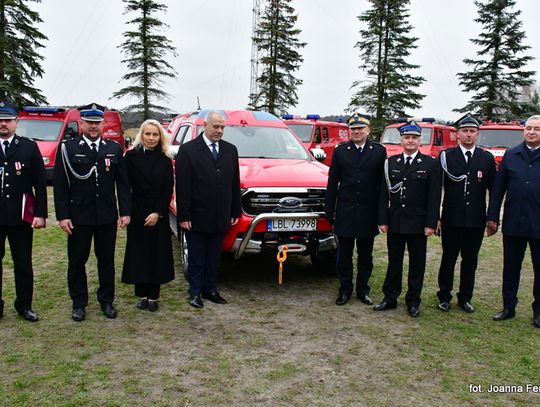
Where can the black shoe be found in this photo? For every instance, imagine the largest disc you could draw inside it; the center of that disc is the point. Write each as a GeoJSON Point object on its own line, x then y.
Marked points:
{"type": "Point", "coordinates": [364, 299]}
{"type": "Point", "coordinates": [153, 305]}
{"type": "Point", "coordinates": [342, 298]}
{"type": "Point", "coordinates": [195, 301]}
{"type": "Point", "coordinates": [29, 315]}
{"type": "Point", "coordinates": [108, 310]}
{"type": "Point", "coordinates": [385, 305]}
{"type": "Point", "coordinates": [142, 303]}
{"type": "Point", "coordinates": [413, 311]}
{"type": "Point", "coordinates": [214, 297]}
{"type": "Point", "coordinates": [78, 314]}
{"type": "Point", "coordinates": [506, 313]}
{"type": "Point", "coordinates": [536, 319]}
{"type": "Point", "coordinates": [444, 306]}
{"type": "Point", "coordinates": [466, 306]}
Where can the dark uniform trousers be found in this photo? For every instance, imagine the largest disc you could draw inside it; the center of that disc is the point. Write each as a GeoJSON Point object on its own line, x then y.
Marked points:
{"type": "Point", "coordinates": [416, 246]}
{"type": "Point", "coordinates": [512, 269]}
{"type": "Point", "coordinates": [364, 264]}
{"type": "Point", "coordinates": [468, 242]}
{"type": "Point", "coordinates": [79, 244]}
{"type": "Point", "coordinates": [203, 261]}
{"type": "Point", "coordinates": [20, 243]}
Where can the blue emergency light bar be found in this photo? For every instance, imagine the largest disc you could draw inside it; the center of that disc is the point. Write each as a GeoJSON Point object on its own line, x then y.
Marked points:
{"type": "Point", "coordinates": [287, 117]}
{"type": "Point", "coordinates": [417, 119]}
{"type": "Point", "coordinates": [40, 109]}
{"type": "Point", "coordinates": [300, 117]}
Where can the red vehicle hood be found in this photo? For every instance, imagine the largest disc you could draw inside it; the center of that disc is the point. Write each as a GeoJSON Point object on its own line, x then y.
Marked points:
{"type": "Point", "coordinates": [47, 148]}
{"type": "Point", "coordinates": [257, 172]}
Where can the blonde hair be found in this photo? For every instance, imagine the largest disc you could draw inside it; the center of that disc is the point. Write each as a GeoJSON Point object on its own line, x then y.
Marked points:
{"type": "Point", "coordinates": [163, 140]}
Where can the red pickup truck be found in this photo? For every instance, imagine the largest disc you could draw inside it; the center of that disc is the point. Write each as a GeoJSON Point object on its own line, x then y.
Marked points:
{"type": "Point", "coordinates": [282, 185]}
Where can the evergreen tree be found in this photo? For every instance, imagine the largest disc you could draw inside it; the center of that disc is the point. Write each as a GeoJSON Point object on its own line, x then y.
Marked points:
{"type": "Point", "coordinates": [145, 57]}
{"type": "Point", "coordinates": [389, 89]}
{"type": "Point", "coordinates": [497, 76]}
{"type": "Point", "coordinates": [20, 64]}
{"type": "Point", "coordinates": [276, 39]}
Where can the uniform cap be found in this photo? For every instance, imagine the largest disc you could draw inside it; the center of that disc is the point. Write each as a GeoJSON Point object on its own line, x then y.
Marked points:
{"type": "Point", "coordinates": [468, 121]}
{"type": "Point", "coordinates": [8, 111]}
{"type": "Point", "coordinates": [411, 128]}
{"type": "Point", "coordinates": [357, 120]}
{"type": "Point", "coordinates": [92, 112]}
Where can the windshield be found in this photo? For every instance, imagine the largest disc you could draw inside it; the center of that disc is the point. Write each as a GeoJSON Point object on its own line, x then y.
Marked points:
{"type": "Point", "coordinates": [303, 131]}
{"type": "Point", "coordinates": [500, 138]}
{"type": "Point", "coordinates": [47, 130]}
{"type": "Point", "coordinates": [391, 136]}
{"type": "Point", "coordinates": [265, 142]}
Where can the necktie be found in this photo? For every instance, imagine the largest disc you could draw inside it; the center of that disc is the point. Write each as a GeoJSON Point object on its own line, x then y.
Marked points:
{"type": "Point", "coordinates": [359, 152]}
{"type": "Point", "coordinates": [408, 162]}
{"type": "Point", "coordinates": [6, 146]}
{"type": "Point", "coordinates": [469, 156]}
{"type": "Point", "coordinates": [214, 151]}
{"type": "Point", "coordinates": [94, 150]}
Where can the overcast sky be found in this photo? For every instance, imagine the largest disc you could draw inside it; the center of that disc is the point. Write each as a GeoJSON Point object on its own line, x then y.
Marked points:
{"type": "Point", "coordinates": [213, 40]}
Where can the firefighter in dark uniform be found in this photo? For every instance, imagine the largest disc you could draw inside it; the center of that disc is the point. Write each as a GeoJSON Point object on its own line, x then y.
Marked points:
{"type": "Point", "coordinates": [351, 204]}
{"type": "Point", "coordinates": [408, 212]}
{"type": "Point", "coordinates": [23, 206]}
{"type": "Point", "coordinates": [468, 173]}
{"type": "Point", "coordinates": [87, 171]}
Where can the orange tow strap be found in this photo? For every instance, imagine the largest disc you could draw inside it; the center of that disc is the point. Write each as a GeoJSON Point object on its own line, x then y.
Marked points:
{"type": "Point", "coordinates": [281, 257]}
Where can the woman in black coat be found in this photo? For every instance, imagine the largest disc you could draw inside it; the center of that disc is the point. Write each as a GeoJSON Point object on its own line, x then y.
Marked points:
{"type": "Point", "coordinates": [148, 261]}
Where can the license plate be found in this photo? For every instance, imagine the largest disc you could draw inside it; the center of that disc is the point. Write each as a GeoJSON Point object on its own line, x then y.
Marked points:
{"type": "Point", "coordinates": [292, 225]}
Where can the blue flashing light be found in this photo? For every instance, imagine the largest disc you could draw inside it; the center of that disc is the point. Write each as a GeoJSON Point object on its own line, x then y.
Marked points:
{"type": "Point", "coordinates": [428, 119]}
{"type": "Point", "coordinates": [287, 117]}
{"type": "Point", "coordinates": [313, 117]}
{"type": "Point", "coordinates": [39, 109]}
{"type": "Point", "coordinates": [522, 122]}
{"type": "Point", "coordinates": [340, 120]}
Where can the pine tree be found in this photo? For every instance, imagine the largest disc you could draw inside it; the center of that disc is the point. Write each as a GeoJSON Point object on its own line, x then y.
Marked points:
{"type": "Point", "coordinates": [389, 89]}
{"type": "Point", "coordinates": [145, 57]}
{"type": "Point", "coordinates": [276, 39]}
{"type": "Point", "coordinates": [497, 76]}
{"type": "Point", "coordinates": [20, 64]}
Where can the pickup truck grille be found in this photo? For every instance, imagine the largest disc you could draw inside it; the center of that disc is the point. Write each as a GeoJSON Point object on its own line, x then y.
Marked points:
{"type": "Point", "coordinates": [260, 200]}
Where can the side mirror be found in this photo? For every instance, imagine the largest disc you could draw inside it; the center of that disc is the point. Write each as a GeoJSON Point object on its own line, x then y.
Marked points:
{"type": "Point", "coordinates": [318, 153]}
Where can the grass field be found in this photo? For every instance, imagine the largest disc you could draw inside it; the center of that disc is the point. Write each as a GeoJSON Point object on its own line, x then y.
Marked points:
{"type": "Point", "coordinates": [270, 346]}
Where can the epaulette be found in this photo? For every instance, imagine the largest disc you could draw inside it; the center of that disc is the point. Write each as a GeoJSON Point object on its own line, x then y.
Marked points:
{"type": "Point", "coordinates": [341, 144]}
{"type": "Point", "coordinates": [108, 140]}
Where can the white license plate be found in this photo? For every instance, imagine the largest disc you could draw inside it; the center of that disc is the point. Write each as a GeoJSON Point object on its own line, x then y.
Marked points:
{"type": "Point", "coordinates": [292, 225]}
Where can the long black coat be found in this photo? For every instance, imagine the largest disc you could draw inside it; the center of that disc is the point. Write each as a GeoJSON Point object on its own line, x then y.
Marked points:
{"type": "Point", "coordinates": [467, 209]}
{"type": "Point", "coordinates": [23, 172]}
{"type": "Point", "coordinates": [352, 193]}
{"type": "Point", "coordinates": [416, 206]}
{"type": "Point", "coordinates": [91, 201]}
{"type": "Point", "coordinates": [149, 257]}
{"type": "Point", "coordinates": [207, 190]}
{"type": "Point", "coordinates": [519, 179]}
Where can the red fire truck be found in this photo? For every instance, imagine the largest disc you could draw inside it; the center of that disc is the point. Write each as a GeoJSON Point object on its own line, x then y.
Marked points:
{"type": "Point", "coordinates": [498, 137]}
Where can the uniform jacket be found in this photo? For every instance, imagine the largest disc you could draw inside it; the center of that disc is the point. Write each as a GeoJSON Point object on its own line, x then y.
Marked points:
{"type": "Point", "coordinates": [467, 208]}
{"type": "Point", "coordinates": [22, 172]}
{"type": "Point", "coordinates": [416, 205]}
{"type": "Point", "coordinates": [151, 181]}
{"type": "Point", "coordinates": [91, 201]}
{"type": "Point", "coordinates": [519, 178]}
{"type": "Point", "coordinates": [207, 190]}
{"type": "Point", "coordinates": [352, 192]}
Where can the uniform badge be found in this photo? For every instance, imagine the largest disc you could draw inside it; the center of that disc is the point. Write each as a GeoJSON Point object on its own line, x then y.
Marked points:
{"type": "Point", "coordinates": [419, 160]}
{"type": "Point", "coordinates": [107, 164]}
{"type": "Point", "coordinates": [18, 167]}
{"type": "Point", "coordinates": [398, 160]}
{"type": "Point", "coordinates": [479, 175]}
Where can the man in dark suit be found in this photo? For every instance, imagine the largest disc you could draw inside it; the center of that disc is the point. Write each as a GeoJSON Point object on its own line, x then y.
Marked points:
{"type": "Point", "coordinates": [408, 212]}
{"type": "Point", "coordinates": [519, 179]}
{"type": "Point", "coordinates": [468, 173]}
{"type": "Point", "coordinates": [208, 203]}
{"type": "Point", "coordinates": [351, 204]}
{"type": "Point", "coordinates": [22, 179]}
{"type": "Point", "coordinates": [86, 173]}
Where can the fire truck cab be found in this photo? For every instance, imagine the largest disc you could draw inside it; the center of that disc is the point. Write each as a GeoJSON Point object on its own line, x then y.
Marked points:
{"type": "Point", "coordinates": [48, 126]}
{"type": "Point", "coordinates": [498, 137]}
{"type": "Point", "coordinates": [436, 137]}
{"type": "Point", "coordinates": [317, 134]}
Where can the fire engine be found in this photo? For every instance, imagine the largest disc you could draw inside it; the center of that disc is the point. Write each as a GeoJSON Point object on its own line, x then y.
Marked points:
{"type": "Point", "coordinates": [317, 134]}
{"type": "Point", "coordinates": [49, 125]}
{"type": "Point", "coordinates": [282, 188]}
{"type": "Point", "coordinates": [435, 138]}
{"type": "Point", "coordinates": [498, 137]}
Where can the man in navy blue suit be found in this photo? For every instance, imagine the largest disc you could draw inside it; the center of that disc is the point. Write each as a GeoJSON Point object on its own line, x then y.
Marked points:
{"type": "Point", "coordinates": [519, 179]}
